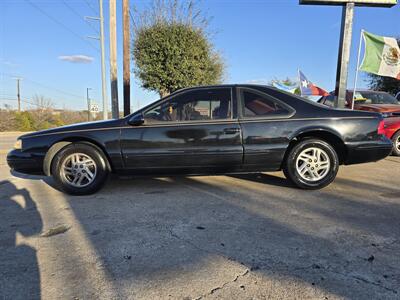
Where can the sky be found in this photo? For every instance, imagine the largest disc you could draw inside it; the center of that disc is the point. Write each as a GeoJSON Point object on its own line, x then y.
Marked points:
{"type": "Point", "coordinates": [45, 43]}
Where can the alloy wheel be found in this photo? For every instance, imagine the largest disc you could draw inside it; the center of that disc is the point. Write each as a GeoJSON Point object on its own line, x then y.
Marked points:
{"type": "Point", "coordinates": [313, 164]}
{"type": "Point", "coordinates": [79, 170]}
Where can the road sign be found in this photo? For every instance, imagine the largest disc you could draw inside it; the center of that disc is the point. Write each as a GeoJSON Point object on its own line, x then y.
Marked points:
{"type": "Point", "coordinates": [94, 107]}
{"type": "Point", "coordinates": [384, 3]}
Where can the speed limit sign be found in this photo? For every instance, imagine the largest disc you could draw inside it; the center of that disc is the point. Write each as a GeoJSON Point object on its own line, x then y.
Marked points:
{"type": "Point", "coordinates": [94, 107]}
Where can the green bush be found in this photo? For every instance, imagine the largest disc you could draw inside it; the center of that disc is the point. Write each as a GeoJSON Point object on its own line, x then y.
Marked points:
{"type": "Point", "coordinates": [24, 121]}
{"type": "Point", "coordinates": [33, 120]}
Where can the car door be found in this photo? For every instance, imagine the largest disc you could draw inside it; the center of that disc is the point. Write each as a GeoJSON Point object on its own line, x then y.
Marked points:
{"type": "Point", "coordinates": [264, 130]}
{"type": "Point", "coordinates": [191, 130]}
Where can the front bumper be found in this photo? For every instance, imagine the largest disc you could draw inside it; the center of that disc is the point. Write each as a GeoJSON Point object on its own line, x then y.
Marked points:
{"type": "Point", "coordinates": [369, 151]}
{"type": "Point", "coordinates": [23, 162]}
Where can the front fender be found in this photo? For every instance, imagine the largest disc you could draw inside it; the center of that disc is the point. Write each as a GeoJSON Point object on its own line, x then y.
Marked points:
{"type": "Point", "coordinates": [50, 155]}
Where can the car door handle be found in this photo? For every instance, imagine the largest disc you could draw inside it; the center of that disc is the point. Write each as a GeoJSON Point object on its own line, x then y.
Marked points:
{"type": "Point", "coordinates": [231, 130]}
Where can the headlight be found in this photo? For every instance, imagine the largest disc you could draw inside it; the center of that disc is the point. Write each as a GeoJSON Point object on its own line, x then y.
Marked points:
{"type": "Point", "coordinates": [18, 145]}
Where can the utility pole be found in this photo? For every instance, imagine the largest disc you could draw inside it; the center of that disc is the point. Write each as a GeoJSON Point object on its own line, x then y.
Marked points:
{"type": "Point", "coordinates": [126, 58]}
{"type": "Point", "coordinates": [18, 79]}
{"type": "Point", "coordinates": [88, 103]}
{"type": "Point", "coordinates": [113, 59]}
{"type": "Point", "coordinates": [103, 64]}
{"type": "Point", "coordinates": [342, 72]}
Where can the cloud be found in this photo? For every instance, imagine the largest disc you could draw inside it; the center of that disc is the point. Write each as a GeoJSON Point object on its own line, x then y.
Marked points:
{"type": "Point", "coordinates": [8, 63]}
{"type": "Point", "coordinates": [78, 59]}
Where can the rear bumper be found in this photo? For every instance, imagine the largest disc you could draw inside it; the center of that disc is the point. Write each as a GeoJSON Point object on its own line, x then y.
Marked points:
{"type": "Point", "coordinates": [27, 163]}
{"type": "Point", "coordinates": [369, 151]}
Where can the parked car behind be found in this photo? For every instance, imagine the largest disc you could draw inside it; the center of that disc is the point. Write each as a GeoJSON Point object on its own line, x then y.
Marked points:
{"type": "Point", "coordinates": [381, 102]}
{"type": "Point", "coordinates": [208, 130]}
{"type": "Point", "coordinates": [392, 131]}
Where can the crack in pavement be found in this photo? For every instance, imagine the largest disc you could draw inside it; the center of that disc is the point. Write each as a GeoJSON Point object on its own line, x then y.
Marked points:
{"type": "Point", "coordinates": [312, 266]}
{"type": "Point", "coordinates": [247, 271]}
{"type": "Point", "coordinates": [362, 279]}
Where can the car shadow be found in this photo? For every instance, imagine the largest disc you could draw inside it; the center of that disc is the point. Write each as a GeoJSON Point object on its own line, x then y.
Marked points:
{"type": "Point", "coordinates": [265, 178]}
{"type": "Point", "coordinates": [19, 270]}
{"type": "Point", "coordinates": [161, 228]}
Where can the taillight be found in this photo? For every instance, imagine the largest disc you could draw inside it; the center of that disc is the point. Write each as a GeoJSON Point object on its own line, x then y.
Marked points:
{"type": "Point", "coordinates": [381, 127]}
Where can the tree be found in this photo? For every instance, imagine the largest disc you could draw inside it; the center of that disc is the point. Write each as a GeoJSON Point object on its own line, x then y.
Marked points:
{"type": "Point", "coordinates": [42, 113]}
{"type": "Point", "coordinates": [172, 49]}
{"type": "Point", "coordinates": [382, 83]}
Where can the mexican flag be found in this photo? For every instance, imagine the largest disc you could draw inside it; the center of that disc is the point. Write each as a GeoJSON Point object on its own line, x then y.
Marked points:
{"type": "Point", "coordinates": [382, 55]}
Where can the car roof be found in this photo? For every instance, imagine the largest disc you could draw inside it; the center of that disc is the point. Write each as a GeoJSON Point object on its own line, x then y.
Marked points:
{"type": "Point", "coordinates": [228, 85]}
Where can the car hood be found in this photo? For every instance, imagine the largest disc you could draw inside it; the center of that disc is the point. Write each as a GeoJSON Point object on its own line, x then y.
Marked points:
{"type": "Point", "coordinates": [77, 126]}
{"type": "Point", "coordinates": [379, 107]}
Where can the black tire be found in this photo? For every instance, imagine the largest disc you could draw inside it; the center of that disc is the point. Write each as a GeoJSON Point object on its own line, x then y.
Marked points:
{"type": "Point", "coordinates": [93, 153]}
{"type": "Point", "coordinates": [292, 174]}
{"type": "Point", "coordinates": [396, 144]}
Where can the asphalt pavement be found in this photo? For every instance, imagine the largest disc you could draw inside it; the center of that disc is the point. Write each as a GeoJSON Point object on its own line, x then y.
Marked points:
{"type": "Point", "coordinates": [211, 237]}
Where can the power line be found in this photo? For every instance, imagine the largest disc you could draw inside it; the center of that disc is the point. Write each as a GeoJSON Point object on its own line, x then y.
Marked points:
{"type": "Point", "coordinates": [61, 24]}
{"type": "Point", "coordinates": [24, 101]}
{"type": "Point", "coordinates": [80, 16]}
{"type": "Point", "coordinates": [91, 7]}
{"type": "Point", "coordinates": [45, 86]}
{"type": "Point", "coordinates": [132, 25]}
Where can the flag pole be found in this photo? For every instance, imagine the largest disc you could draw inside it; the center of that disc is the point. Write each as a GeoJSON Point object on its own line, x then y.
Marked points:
{"type": "Point", "coordinates": [298, 78]}
{"type": "Point", "coordinates": [357, 68]}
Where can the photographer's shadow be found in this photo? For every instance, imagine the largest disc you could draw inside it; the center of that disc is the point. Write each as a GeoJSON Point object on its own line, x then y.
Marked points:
{"type": "Point", "coordinates": [19, 269]}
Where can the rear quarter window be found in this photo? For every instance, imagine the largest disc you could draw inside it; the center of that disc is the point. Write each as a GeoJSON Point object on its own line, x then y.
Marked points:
{"type": "Point", "coordinates": [257, 104]}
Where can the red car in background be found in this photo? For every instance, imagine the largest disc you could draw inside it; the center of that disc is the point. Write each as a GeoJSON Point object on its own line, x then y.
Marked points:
{"type": "Point", "coordinates": [392, 131]}
{"type": "Point", "coordinates": [381, 102]}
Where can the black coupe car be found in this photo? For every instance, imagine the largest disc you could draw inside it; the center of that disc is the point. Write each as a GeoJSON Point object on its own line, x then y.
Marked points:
{"type": "Point", "coordinates": [208, 130]}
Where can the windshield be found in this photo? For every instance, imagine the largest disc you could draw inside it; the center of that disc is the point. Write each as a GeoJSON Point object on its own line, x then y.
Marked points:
{"type": "Point", "coordinates": [374, 98]}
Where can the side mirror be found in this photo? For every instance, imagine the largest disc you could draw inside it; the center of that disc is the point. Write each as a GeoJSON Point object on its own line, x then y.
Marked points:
{"type": "Point", "coordinates": [136, 120]}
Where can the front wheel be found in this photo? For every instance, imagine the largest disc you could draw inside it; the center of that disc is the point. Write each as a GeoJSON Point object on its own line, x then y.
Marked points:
{"type": "Point", "coordinates": [311, 164]}
{"type": "Point", "coordinates": [396, 144]}
{"type": "Point", "coordinates": [79, 169]}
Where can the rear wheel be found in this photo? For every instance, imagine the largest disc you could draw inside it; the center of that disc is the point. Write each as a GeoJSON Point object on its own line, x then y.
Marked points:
{"type": "Point", "coordinates": [79, 169]}
{"type": "Point", "coordinates": [311, 164]}
{"type": "Point", "coordinates": [396, 144]}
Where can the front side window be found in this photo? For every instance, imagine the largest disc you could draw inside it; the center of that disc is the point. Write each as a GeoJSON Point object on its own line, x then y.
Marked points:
{"type": "Point", "coordinates": [199, 105]}
{"type": "Point", "coordinates": [260, 105]}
